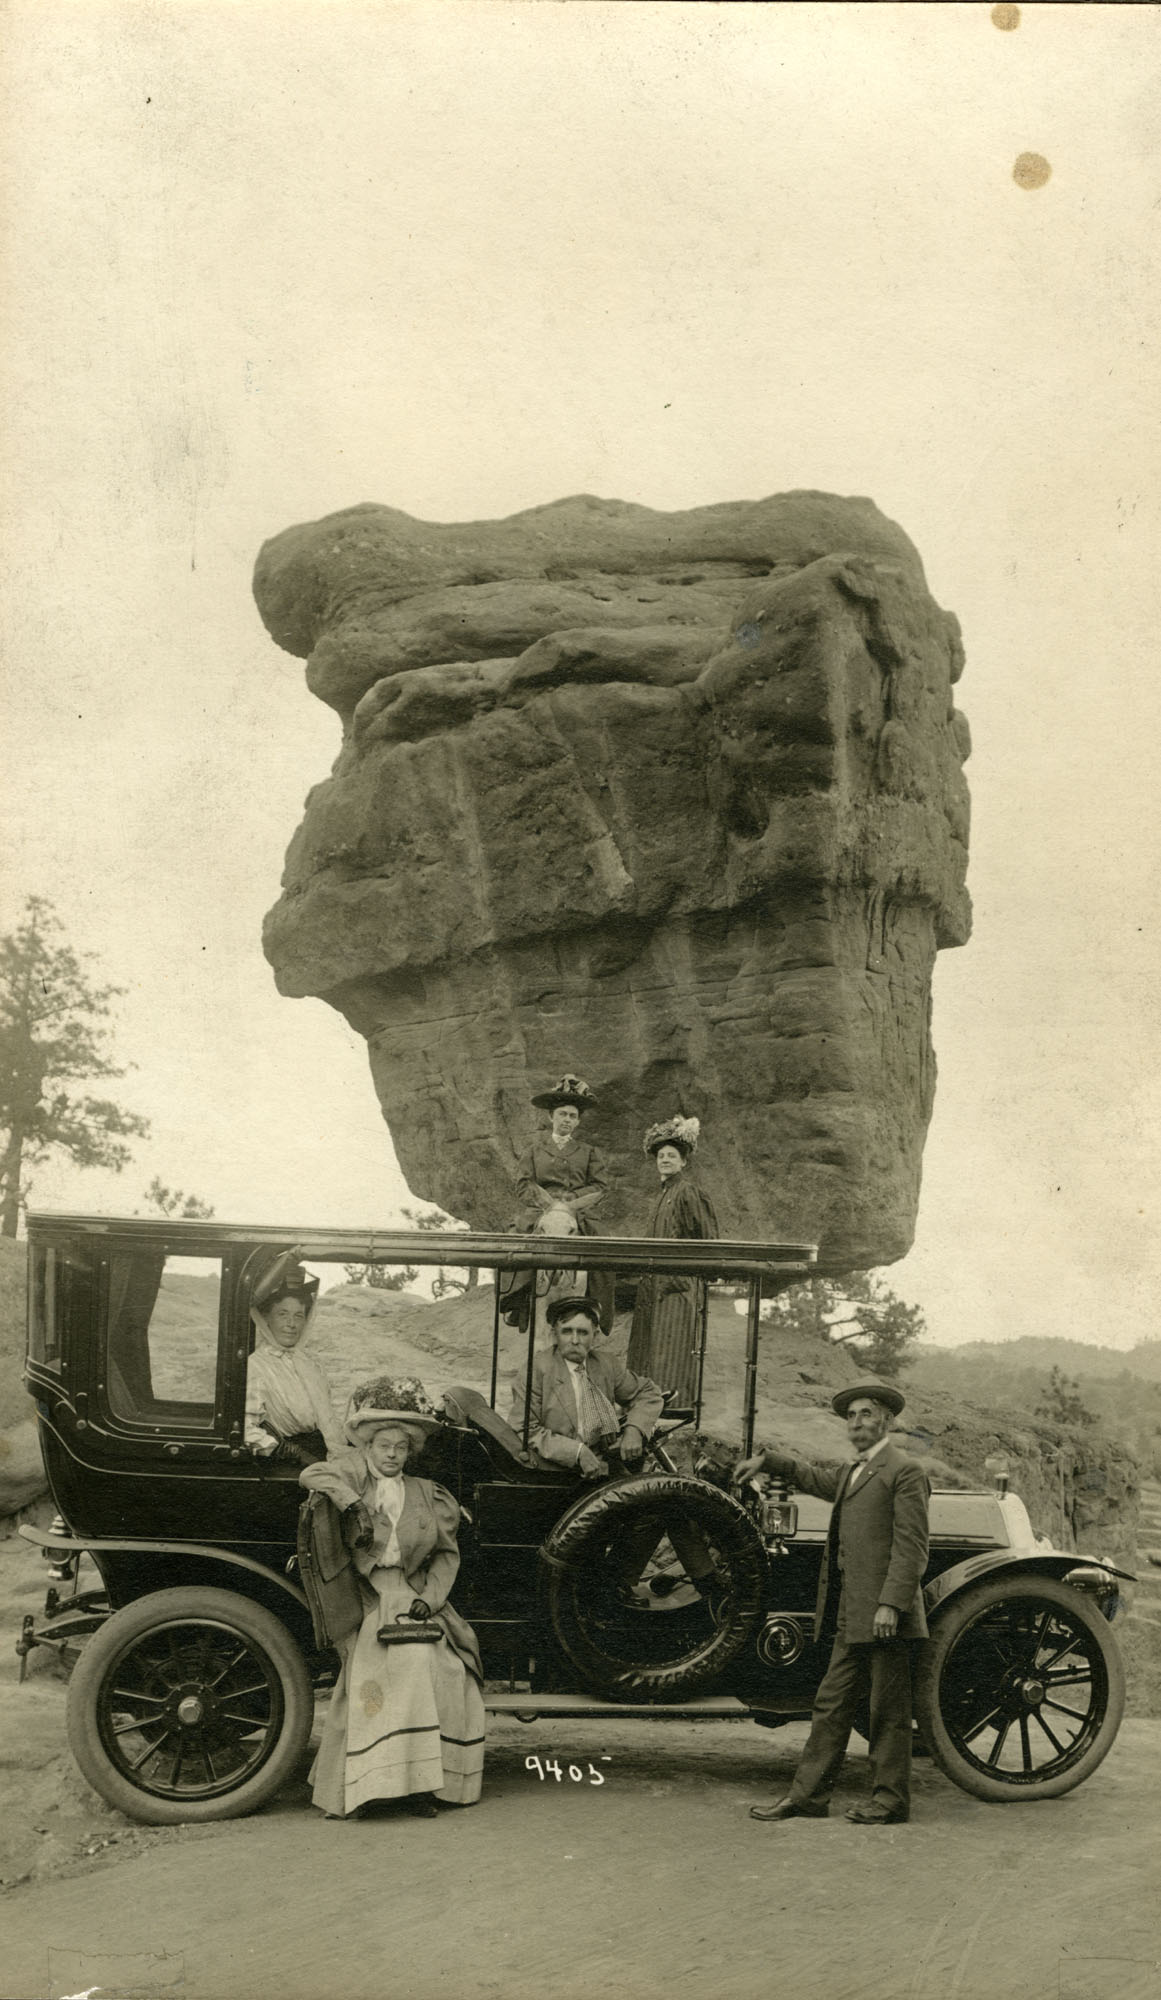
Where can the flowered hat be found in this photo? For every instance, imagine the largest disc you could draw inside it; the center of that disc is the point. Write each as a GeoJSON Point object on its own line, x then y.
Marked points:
{"type": "Point", "coordinates": [570, 1090]}
{"type": "Point", "coordinates": [390, 1399]}
{"type": "Point", "coordinates": [680, 1132]}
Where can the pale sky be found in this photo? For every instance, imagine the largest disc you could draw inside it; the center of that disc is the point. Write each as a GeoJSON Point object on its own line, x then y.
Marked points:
{"type": "Point", "coordinates": [266, 261]}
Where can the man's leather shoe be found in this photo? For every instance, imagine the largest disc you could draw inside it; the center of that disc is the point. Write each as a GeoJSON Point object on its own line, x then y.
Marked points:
{"type": "Point", "coordinates": [874, 1815]}
{"type": "Point", "coordinates": [790, 1809]}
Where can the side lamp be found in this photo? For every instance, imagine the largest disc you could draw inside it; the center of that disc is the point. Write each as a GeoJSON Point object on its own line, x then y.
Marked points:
{"type": "Point", "coordinates": [996, 1464]}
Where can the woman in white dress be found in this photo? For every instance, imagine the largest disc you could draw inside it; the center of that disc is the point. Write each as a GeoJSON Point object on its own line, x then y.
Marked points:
{"type": "Point", "coordinates": [406, 1718]}
{"type": "Point", "coordinates": [289, 1412]}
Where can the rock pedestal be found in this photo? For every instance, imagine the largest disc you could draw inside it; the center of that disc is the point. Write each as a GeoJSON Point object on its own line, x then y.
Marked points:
{"type": "Point", "coordinates": [672, 800]}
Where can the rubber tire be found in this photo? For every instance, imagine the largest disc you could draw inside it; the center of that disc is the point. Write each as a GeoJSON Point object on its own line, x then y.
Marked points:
{"type": "Point", "coordinates": [574, 1544]}
{"type": "Point", "coordinates": [960, 1613]}
{"type": "Point", "coordinates": [253, 1623]}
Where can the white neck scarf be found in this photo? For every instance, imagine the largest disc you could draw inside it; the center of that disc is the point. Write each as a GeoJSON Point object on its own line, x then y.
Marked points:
{"type": "Point", "coordinates": [390, 1494]}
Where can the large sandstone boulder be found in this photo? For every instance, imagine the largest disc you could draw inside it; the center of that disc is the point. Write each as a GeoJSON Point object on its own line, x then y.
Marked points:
{"type": "Point", "coordinates": [674, 800]}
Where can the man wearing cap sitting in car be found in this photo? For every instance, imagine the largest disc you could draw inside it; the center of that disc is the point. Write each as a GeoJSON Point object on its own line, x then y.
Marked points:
{"type": "Point", "coordinates": [583, 1405]}
{"type": "Point", "coordinates": [870, 1594]}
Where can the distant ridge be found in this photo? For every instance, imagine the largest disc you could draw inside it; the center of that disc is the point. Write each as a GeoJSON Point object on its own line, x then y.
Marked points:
{"type": "Point", "coordinates": [1075, 1357]}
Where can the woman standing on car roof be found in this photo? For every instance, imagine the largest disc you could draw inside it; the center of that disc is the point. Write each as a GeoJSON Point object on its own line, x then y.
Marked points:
{"type": "Point", "coordinates": [664, 1340]}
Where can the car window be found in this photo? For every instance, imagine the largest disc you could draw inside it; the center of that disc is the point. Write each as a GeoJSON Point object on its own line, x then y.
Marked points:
{"type": "Point", "coordinates": [43, 1329]}
{"type": "Point", "coordinates": [60, 1301]}
{"type": "Point", "coordinates": [163, 1336]}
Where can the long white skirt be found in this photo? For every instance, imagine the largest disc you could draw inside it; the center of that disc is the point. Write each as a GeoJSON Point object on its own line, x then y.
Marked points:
{"type": "Point", "coordinates": [402, 1718]}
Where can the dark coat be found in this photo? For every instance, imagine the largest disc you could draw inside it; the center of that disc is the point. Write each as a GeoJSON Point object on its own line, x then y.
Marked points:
{"type": "Point", "coordinates": [877, 1543]}
{"type": "Point", "coordinates": [573, 1175]}
{"type": "Point", "coordinates": [666, 1331]}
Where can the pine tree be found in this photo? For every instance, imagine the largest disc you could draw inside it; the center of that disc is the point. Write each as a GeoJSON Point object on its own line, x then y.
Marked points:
{"type": "Point", "coordinates": [860, 1309]}
{"type": "Point", "coordinates": [53, 1037]}
{"type": "Point", "coordinates": [177, 1203]}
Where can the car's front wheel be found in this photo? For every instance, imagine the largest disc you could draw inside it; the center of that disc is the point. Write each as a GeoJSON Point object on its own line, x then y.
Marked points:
{"type": "Point", "coordinates": [1021, 1688]}
{"type": "Point", "coordinates": [189, 1704]}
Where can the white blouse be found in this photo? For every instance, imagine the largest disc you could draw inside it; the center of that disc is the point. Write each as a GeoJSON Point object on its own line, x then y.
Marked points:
{"type": "Point", "coordinates": [390, 1495]}
{"type": "Point", "coordinates": [288, 1389]}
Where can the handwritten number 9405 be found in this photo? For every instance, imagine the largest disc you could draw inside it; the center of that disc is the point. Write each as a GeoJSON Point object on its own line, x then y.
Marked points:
{"type": "Point", "coordinates": [548, 1767]}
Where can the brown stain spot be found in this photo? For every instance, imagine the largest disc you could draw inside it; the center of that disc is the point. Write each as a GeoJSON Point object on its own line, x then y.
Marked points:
{"type": "Point", "coordinates": [1005, 17]}
{"type": "Point", "coordinates": [371, 1697]}
{"type": "Point", "coordinates": [1031, 170]}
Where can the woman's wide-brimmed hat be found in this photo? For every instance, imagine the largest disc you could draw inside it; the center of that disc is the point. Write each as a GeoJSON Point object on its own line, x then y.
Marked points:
{"type": "Point", "coordinates": [558, 1309]}
{"type": "Point", "coordinates": [679, 1132]}
{"type": "Point", "coordinates": [570, 1090]}
{"type": "Point", "coordinates": [882, 1392]}
{"type": "Point", "coordinates": [390, 1399]}
{"type": "Point", "coordinates": [285, 1277]}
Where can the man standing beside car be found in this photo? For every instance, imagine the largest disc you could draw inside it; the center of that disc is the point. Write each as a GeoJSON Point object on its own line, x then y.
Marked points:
{"type": "Point", "coordinates": [870, 1595]}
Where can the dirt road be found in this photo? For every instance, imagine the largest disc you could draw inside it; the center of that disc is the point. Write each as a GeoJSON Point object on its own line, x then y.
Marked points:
{"type": "Point", "coordinates": [652, 1882]}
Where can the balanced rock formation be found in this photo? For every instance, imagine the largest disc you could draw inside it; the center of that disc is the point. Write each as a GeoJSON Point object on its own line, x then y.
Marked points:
{"type": "Point", "coordinates": [672, 800]}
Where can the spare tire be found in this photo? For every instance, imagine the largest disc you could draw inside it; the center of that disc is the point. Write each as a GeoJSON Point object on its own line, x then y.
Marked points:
{"type": "Point", "coordinates": [624, 1641]}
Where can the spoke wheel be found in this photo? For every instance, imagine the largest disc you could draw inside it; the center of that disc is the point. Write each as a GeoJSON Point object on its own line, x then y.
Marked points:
{"type": "Point", "coordinates": [1022, 1689]}
{"type": "Point", "coordinates": [189, 1705]}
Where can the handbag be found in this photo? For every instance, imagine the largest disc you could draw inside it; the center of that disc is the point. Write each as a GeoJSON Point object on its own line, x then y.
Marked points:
{"type": "Point", "coordinates": [420, 1632]}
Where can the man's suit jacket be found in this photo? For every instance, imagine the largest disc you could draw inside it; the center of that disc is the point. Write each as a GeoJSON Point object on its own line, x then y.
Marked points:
{"type": "Point", "coordinates": [552, 1431]}
{"type": "Point", "coordinates": [877, 1544]}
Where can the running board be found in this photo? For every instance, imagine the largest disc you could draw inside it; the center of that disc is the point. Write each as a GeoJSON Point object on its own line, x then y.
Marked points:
{"type": "Point", "coordinates": [532, 1707]}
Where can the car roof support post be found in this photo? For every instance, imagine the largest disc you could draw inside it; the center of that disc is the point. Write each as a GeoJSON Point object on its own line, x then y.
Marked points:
{"type": "Point", "coordinates": [753, 1316]}
{"type": "Point", "coordinates": [702, 1336]}
{"type": "Point", "coordinates": [531, 1351]}
{"type": "Point", "coordinates": [495, 1337]}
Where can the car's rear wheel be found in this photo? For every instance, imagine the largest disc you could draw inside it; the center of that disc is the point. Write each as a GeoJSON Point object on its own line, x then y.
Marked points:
{"type": "Point", "coordinates": [622, 1599]}
{"type": "Point", "coordinates": [189, 1704]}
{"type": "Point", "coordinates": [1021, 1689]}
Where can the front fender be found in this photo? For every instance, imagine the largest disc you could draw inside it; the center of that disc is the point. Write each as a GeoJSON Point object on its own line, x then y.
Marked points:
{"type": "Point", "coordinates": [1049, 1562]}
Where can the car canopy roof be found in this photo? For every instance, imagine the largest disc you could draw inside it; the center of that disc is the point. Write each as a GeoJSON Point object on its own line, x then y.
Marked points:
{"type": "Point", "coordinates": [498, 1249]}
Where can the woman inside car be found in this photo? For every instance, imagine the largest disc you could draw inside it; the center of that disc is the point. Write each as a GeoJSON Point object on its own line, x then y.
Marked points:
{"type": "Point", "coordinates": [290, 1417]}
{"type": "Point", "coordinates": [406, 1719]}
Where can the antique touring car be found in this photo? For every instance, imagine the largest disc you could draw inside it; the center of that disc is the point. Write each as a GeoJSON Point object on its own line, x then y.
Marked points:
{"type": "Point", "coordinates": [192, 1694]}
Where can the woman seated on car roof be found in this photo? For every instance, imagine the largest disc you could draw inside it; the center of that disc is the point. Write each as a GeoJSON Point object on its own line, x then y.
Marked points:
{"type": "Point", "coordinates": [289, 1413]}
{"type": "Point", "coordinates": [406, 1719]}
{"type": "Point", "coordinates": [584, 1406]}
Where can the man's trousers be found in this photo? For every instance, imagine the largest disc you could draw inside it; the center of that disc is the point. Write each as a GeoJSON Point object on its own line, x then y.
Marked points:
{"type": "Point", "coordinates": [882, 1669]}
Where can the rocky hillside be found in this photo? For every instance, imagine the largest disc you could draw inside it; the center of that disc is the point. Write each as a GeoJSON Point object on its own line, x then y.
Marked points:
{"type": "Point", "coordinates": [1101, 1391]}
